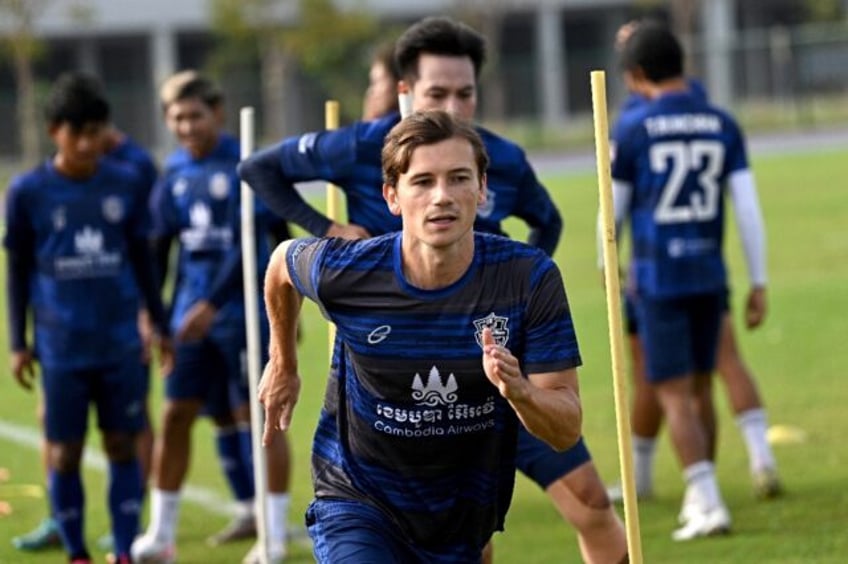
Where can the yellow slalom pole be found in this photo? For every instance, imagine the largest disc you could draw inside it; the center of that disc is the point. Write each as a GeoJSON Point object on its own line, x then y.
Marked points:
{"type": "Point", "coordinates": [331, 121]}
{"type": "Point", "coordinates": [611, 284]}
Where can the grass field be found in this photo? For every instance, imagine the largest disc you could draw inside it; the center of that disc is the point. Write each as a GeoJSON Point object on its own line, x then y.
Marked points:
{"type": "Point", "coordinates": [798, 357]}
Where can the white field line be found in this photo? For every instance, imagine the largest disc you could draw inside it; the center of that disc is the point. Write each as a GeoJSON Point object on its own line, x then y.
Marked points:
{"type": "Point", "coordinates": [30, 437]}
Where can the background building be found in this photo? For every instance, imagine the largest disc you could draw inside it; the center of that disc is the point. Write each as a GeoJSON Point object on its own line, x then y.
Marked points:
{"type": "Point", "coordinates": [542, 52]}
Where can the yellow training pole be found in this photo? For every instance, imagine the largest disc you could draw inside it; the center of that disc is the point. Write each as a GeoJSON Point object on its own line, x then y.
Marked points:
{"type": "Point", "coordinates": [331, 121]}
{"type": "Point", "coordinates": [611, 283]}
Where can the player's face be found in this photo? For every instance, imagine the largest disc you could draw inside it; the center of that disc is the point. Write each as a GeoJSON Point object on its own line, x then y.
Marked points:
{"type": "Point", "coordinates": [195, 124]}
{"type": "Point", "coordinates": [78, 149]}
{"type": "Point", "coordinates": [381, 95]}
{"type": "Point", "coordinates": [438, 196]}
{"type": "Point", "coordinates": [445, 83]}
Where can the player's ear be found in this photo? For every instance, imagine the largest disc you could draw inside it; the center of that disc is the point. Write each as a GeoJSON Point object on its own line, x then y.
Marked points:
{"type": "Point", "coordinates": [390, 195]}
{"type": "Point", "coordinates": [481, 197]}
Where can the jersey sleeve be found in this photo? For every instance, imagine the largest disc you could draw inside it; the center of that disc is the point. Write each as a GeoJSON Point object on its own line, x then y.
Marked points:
{"type": "Point", "coordinates": [19, 241]}
{"type": "Point", "coordinates": [551, 339]}
{"type": "Point", "coordinates": [163, 212]}
{"type": "Point", "coordinates": [20, 234]}
{"type": "Point", "coordinates": [273, 172]}
{"type": "Point", "coordinates": [303, 258]}
{"type": "Point", "coordinates": [623, 155]}
{"type": "Point", "coordinates": [537, 209]}
{"type": "Point", "coordinates": [736, 158]}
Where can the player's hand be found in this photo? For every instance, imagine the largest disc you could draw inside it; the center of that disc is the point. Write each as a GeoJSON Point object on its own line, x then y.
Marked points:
{"type": "Point", "coordinates": [145, 331]}
{"type": "Point", "coordinates": [278, 392]}
{"type": "Point", "coordinates": [23, 368]}
{"type": "Point", "coordinates": [755, 309]}
{"type": "Point", "coordinates": [197, 321]}
{"type": "Point", "coordinates": [350, 231]}
{"type": "Point", "coordinates": [502, 369]}
{"type": "Point", "coordinates": [166, 355]}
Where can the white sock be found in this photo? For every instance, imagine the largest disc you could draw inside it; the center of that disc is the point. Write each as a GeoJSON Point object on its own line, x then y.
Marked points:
{"type": "Point", "coordinates": [753, 425]}
{"type": "Point", "coordinates": [245, 507]}
{"type": "Point", "coordinates": [702, 485]}
{"type": "Point", "coordinates": [643, 463]}
{"type": "Point", "coordinates": [164, 514]}
{"type": "Point", "coordinates": [278, 513]}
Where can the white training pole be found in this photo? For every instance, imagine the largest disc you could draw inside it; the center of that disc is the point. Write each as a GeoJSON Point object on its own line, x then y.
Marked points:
{"type": "Point", "coordinates": [404, 100]}
{"type": "Point", "coordinates": [611, 284]}
{"type": "Point", "coordinates": [251, 308]}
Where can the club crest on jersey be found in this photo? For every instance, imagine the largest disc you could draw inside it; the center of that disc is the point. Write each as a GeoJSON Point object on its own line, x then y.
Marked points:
{"type": "Point", "coordinates": [88, 241]}
{"type": "Point", "coordinates": [179, 188]}
{"type": "Point", "coordinates": [498, 325]}
{"type": "Point", "coordinates": [486, 208]}
{"type": "Point", "coordinates": [434, 392]}
{"type": "Point", "coordinates": [113, 209]}
{"type": "Point", "coordinates": [219, 186]}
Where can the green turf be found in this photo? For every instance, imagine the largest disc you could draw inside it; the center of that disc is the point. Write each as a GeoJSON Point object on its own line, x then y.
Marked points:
{"type": "Point", "coordinates": [797, 357]}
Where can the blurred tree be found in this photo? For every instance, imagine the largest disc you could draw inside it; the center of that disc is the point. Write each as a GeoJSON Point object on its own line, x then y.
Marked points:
{"type": "Point", "coordinates": [328, 44]}
{"type": "Point", "coordinates": [21, 45]}
{"type": "Point", "coordinates": [825, 10]}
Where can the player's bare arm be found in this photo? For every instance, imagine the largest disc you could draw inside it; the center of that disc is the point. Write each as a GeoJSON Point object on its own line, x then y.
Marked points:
{"type": "Point", "coordinates": [280, 385]}
{"type": "Point", "coordinates": [547, 404]}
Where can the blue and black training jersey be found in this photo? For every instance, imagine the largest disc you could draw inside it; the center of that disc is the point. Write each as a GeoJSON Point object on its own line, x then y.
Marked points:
{"type": "Point", "coordinates": [675, 154]}
{"type": "Point", "coordinates": [72, 242]}
{"type": "Point", "coordinates": [350, 158]}
{"type": "Point", "coordinates": [410, 421]}
{"type": "Point", "coordinates": [197, 202]}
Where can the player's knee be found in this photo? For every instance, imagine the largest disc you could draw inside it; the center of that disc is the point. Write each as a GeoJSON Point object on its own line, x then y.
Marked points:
{"type": "Point", "coordinates": [65, 457]}
{"type": "Point", "coordinates": [119, 447]}
{"type": "Point", "coordinates": [178, 416]}
{"type": "Point", "coordinates": [594, 498]}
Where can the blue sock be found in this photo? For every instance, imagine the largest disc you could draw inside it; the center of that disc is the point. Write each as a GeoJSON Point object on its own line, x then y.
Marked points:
{"type": "Point", "coordinates": [246, 447]}
{"type": "Point", "coordinates": [239, 472]}
{"type": "Point", "coordinates": [124, 503]}
{"type": "Point", "coordinates": [67, 501]}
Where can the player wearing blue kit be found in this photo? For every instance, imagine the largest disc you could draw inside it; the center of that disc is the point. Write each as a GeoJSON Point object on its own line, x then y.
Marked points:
{"type": "Point", "coordinates": [738, 380]}
{"type": "Point", "coordinates": [120, 147]}
{"type": "Point", "coordinates": [673, 161]}
{"type": "Point", "coordinates": [197, 202]}
{"type": "Point", "coordinates": [79, 261]}
{"type": "Point", "coordinates": [440, 60]}
{"type": "Point", "coordinates": [450, 340]}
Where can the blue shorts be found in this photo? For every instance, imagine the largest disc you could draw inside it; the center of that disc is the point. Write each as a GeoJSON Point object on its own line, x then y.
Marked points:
{"type": "Point", "coordinates": [357, 533]}
{"type": "Point", "coordinates": [631, 318]}
{"type": "Point", "coordinates": [117, 391]}
{"type": "Point", "coordinates": [211, 372]}
{"type": "Point", "coordinates": [542, 464]}
{"type": "Point", "coordinates": [680, 335]}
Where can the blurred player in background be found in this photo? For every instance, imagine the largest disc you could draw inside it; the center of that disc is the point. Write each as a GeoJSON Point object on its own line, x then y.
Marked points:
{"type": "Point", "coordinates": [738, 381]}
{"type": "Point", "coordinates": [673, 160]}
{"type": "Point", "coordinates": [79, 260]}
{"type": "Point", "coordinates": [197, 201]}
{"type": "Point", "coordinates": [439, 60]}
{"type": "Point", "coordinates": [381, 96]}
{"type": "Point", "coordinates": [118, 146]}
